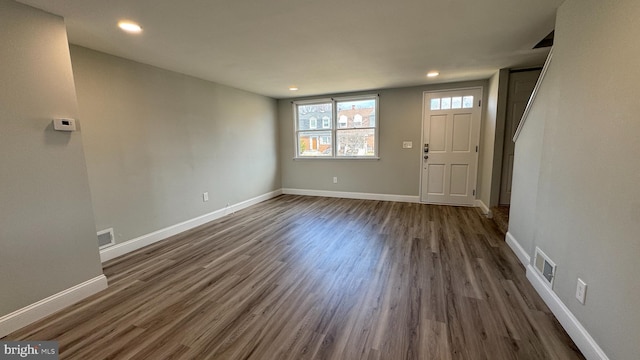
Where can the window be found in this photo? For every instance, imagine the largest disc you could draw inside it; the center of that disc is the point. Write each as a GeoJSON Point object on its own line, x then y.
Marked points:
{"type": "Point", "coordinates": [349, 128]}
{"type": "Point", "coordinates": [457, 102]}
{"type": "Point", "coordinates": [343, 121]}
{"type": "Point", "coordinates": [326, 122]}
{"type": "Point", "coordinates": [357, 120]}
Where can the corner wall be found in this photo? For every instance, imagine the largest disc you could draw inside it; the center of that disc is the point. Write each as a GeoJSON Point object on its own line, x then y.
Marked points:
{"type": "Point", "coordinates": [576, 172]}
{"type": "Point", "coordinates": [156, 140]}
{"type": "Point", "coordinates": [47, 231]}
{"type": "Point", "coordinates": [487, 141]}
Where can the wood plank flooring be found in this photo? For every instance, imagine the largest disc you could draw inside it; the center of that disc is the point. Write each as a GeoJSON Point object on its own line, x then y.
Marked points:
{"type": "Point", "coordinates": [316, 278]}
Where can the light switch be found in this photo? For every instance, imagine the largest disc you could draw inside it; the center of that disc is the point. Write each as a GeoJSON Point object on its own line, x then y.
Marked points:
{"type": "Point", "coordinates": [407, 144]}
{"type": "Point", "coordinates": [581, 291]}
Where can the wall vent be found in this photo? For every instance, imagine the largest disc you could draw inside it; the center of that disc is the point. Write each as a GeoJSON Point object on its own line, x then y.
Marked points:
{"type": "Point", "coordinates": [545, 267]}
{"type": "Point", "coordinates": [106, 238]}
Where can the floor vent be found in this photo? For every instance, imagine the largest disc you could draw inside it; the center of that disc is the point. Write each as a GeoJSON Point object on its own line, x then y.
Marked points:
{"type": "Point", "coordinates": [106, 238]}
{"type": "Point", "coordinates": [545, 267]}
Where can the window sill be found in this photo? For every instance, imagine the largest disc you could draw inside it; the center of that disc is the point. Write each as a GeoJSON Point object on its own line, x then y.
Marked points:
{"type": "Point", "coordinates": [337, 158]}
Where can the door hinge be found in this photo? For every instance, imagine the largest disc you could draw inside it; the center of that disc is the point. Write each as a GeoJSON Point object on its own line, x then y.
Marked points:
{"type": "Point", "coordinates": [474, 192]}
{"type": "Point", "coordinates": [479, 103]}
{"type": "Point", "coordinates": [476, 148]}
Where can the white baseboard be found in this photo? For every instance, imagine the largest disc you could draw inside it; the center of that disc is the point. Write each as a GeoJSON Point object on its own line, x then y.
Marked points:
{"type": "Point", "coordinates": [45, 307]}
{"type": "Point", "coordinates": [148, 239]}
{"type": "Point", "coordinates": [522, 255]}
{"type": "Point", "coordinates": [484, 208]}
{"type": "Point", "coordinates": [572, 326]}
{"type": "Point", "coordinates": [353, 195]}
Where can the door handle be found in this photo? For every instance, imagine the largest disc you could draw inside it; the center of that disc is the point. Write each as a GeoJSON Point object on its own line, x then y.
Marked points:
{"type": "Point", "coordinates": [426, 157]}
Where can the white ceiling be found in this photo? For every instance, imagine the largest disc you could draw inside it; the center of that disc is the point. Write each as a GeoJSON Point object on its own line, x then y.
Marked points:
{"type": "Point", "coordinates": [321, 46]}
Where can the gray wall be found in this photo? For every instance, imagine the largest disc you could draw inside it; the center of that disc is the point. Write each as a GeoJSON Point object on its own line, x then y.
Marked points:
{"type": "Point", "coordinates": [487, 140]}
{"type": "Point", "coordinates": [498, 136]}
{"type": "Point", "coordinates": [155, 140]}
{"type": "Point", "coordinates": [397, 172]}
{"type": "Point", "coordinates": [47, 231]}
{"type": "Point", "coordinates": [576, 193]}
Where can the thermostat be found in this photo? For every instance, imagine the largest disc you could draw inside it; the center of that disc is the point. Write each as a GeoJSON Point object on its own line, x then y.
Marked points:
{"type": "Point", "coordinates": [64, 124]}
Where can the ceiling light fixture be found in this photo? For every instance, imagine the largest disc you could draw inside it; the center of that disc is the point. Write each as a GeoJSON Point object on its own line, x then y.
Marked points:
{"type": "Point", "coordinates": [130, 27]}
{"type": "Point", "coordinates": [433, 74]}
{"type": "Point", "coordinates": [293, 88]}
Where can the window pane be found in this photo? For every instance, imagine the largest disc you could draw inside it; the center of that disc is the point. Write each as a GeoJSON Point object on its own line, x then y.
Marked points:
{"type": "Point", "coordinates": [314, 143]}
{"type": "Point", "coordinates": [357, 142]}
{"type": "Point", "coordinates": [467, 102]}
{"type": "Point", "coordinates": [456, 102]}
{"type": "Point", "coordinates": [358, 113]}
{"type": "Point", "coordinates": [435, 104]}
{"type": "Point", "coordinates": [446, 104]}
{"type": "Point", "coordinates": [326, 122]}
{"type": "Point", "coordinates": [309, 115]}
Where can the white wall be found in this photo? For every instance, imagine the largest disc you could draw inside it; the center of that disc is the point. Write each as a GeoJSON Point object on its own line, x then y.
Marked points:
{"type": "Point", "coordinates": [487, 140]}
{"type": "Point", "coordinates": [576, 173]}
{"type": "Point", "coordinates": [47, 231]}
{"type": "Point", "coordinates": [156, 140]}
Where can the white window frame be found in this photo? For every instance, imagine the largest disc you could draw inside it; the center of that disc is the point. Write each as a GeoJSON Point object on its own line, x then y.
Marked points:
{"type": "Point", "coordinates": [334, 129]}
{"type": "Point", "coordinates": [327, 121]}
{"type": "Point", "coordinates": [357, 120]}
{"type": "Point", "coordinates": [322, 140]}
{"type": "Point", "coordinates": [346, 122]}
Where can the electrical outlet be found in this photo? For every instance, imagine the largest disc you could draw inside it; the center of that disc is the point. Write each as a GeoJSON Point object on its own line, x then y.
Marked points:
{"type": "Point", "coordinates": [581, 291]}
{"type": "Point", "coordinates": [335, 179]}
{"type": "Point", "coordinates": [205, 196]}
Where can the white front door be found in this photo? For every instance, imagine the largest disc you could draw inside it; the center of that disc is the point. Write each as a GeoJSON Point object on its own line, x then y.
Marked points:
{"type": "Point", "coordinates": [451, 134]}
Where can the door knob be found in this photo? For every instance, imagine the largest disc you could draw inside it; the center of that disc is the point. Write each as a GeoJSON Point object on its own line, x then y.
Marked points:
{"type": "Point", "coordinates": [426, 157]}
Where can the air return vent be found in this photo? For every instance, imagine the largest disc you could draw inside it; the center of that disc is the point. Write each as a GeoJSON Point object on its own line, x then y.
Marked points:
{"type": "Point", "coordinates": [545, 267]}
{"type": "Point", "coordinates": [105, 238]}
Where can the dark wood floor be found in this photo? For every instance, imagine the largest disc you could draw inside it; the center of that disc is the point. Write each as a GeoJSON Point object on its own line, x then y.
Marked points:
{"type": "Point", "coordinates": [317, 278]}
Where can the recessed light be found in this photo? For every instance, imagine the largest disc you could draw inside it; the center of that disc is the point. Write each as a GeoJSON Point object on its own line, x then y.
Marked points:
{"type": "Point", "coordinates": [433, 74]}
{"type": "Point", "coordinates": [130, 27]}
{"type": "Point", "coordinates": [293, 88]}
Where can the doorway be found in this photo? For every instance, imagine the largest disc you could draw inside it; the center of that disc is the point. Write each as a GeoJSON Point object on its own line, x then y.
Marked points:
{"type": "Point", "coordinates": [451, 134]}
{"type": "Point", "coordinates": [521, 85]}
